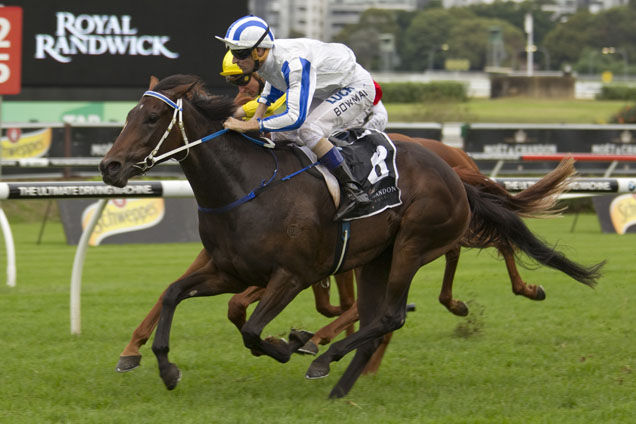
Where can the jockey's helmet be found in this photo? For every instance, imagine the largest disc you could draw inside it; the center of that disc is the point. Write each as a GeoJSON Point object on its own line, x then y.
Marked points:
{"type": "Point", "coordinates": [247, 33]}
{"type": "Point", "coordinates": [232, 73]}
{"type": "Point", "coordinates": [229, 67]}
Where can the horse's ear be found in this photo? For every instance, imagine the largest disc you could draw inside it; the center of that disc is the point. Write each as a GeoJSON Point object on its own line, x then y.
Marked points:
{"type": "Point", "coordinates": [184, 90]}
{"type": "Point", "coordinates": [153, 81]}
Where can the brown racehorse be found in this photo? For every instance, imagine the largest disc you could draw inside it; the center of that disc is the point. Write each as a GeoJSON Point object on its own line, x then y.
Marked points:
{"type": "Point", "coordinates": [536, 201]}
{"type": "Point", "coordinates": [283, 239]}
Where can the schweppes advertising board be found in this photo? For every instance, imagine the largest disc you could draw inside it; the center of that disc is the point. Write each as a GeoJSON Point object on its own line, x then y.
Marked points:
{"type": "Point", "coordinates": [124, 215]}
{"type": "Point", "coordinates": [21, 145]}
{"type": "Point", "coordinates": [132, 220]}
{"type": "Point", "coordinates": [616, 214]}
{"type": "Point", "coordinates": [622, 212]}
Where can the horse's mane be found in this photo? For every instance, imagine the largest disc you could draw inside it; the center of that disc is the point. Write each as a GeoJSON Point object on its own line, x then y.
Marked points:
{"type": "Point", "coordinates": [214, 107]}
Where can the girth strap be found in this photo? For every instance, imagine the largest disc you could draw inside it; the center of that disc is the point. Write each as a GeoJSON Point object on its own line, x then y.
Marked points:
{"type": "Point", "coordinates": [342, 245]}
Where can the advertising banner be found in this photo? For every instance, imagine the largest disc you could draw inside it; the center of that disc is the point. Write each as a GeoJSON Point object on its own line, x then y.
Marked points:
{"type": "Point", "coordinates": [616, 214]}
{"type": "Point", "coordinates": [546, 139]}
{"type": "Point", "coordinates": [143, 220]}
{"type": "Point", "coordinates": [121, 43]}
{"type": "Point", "coordinates": [10, 49]}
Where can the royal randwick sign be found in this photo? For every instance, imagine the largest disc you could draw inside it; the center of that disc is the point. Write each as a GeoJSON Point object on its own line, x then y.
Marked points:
{"type": "Point", "coordinates": [96, 35]}
{"type": "Point", "coordinates": [121, 43]}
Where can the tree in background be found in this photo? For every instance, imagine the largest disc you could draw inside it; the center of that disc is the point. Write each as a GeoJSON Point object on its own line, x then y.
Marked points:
{"type": "Point", "coordinates": [580, 40]}
{"type": "Point", "coordinates": [426, 37]}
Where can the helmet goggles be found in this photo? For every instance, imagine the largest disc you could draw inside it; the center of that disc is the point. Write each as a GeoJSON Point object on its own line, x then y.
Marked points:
{"type": "Point", "coordinates": [241, 54]}
{"type": "Point", "coordinates": [239, 80]}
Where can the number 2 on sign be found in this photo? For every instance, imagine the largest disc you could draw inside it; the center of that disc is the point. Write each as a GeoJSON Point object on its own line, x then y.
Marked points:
{"type": "Point", "coordinates": [5, 27]}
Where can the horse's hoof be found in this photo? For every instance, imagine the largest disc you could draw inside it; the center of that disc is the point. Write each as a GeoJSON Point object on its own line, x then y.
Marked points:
{"type": "Point", "coordinates": [410, 307]}
{"type": "Point", "coordinates": [170, 376]}
{"type": "Point", "coordinates": [460, 309]}
{"type": "Point", "coordinates": [128, 363]}
{"type": "Point", "coordinates": [308, 348]}
{"type": "Point", "coordinates": [300, 336]}
{"type": "Point", "coordinates": [540, 293]}
{"type": "Point", "coordinates": [337, 393]}
{"type": "Point", "coordinates": [317, 370]}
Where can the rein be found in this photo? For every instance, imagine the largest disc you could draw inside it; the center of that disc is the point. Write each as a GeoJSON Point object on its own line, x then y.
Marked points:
{"type": "Point", "coordinates": [177, 117]}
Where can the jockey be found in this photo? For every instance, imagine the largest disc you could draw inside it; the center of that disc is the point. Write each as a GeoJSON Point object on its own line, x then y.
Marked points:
{"type": "Point", "coordinates": [249, 88]}
{"type": "Point", "coordinates": [326, 90]}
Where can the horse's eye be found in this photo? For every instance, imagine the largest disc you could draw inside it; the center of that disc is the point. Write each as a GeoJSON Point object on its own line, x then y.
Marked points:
{"type": "Point", "coordinates": [152, 118]}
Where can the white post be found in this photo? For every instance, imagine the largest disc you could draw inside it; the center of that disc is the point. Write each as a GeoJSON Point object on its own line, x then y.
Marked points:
{"type": "Point", "coordinates": [528, 26]}
{"type": "Point", "coordinates": [10, 248]}
{"type": "Point", "coordinates": [78, 264]}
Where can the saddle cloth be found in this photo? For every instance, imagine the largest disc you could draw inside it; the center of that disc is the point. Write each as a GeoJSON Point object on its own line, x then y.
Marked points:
{"type": "Point", "coordinates": [370, 155]}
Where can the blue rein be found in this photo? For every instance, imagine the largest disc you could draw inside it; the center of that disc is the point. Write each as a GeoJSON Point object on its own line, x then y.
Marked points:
{"type": "Point", "coordinates": [252, 194]}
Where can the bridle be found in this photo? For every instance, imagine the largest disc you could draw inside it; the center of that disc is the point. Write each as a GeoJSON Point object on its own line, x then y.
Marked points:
{"type": "Point", "coordinates": [177, 117]}
{"type": "Point", "coordinates": [151, 160]}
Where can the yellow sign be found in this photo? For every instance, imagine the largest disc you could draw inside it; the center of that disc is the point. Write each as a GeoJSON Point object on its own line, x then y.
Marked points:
{"type": "Point", "coordinates": [16, 145]}
{"type": "Point", "coordinates": [122, 216]}
{"type": "Point", "coordinates": [457, 65]}
{"type": "Point", "coordinates": [607, 77]}
{"type": "Point", "coordinates": [623, 212]}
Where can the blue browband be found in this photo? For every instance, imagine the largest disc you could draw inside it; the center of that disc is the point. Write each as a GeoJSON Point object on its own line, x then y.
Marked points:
{"type": "Point", "coordinates": [163, 99]}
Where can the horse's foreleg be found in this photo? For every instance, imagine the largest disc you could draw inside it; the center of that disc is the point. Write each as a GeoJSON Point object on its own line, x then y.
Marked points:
{"type": "Point", "coordinates": [457, 307]}
{"type": "Point", "coordinates": [130, 357]}
{"type": "Point", "coordinates": [207, 282]}
{"type": "Point", "coordinates": [321, 296]}
{"type": "Point", "coordinates": [237, 305]}
{"type": "Point", "coordinates": [519, 287]}
{"type": "Point", "coordinates": [282, 288]}
{"type": "Point", "coordinates": [329, 332]}
{"type": "Point", "coordinates": [376, 359]}
{"type": "Point", "coordinates": [347, 294]}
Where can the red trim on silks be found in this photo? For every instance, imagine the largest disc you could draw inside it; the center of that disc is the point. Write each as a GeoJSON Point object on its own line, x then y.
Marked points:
{"type": "Point", "coordinates": [378, 93]}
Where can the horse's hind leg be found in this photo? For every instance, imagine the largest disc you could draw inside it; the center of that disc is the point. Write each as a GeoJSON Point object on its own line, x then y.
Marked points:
{"type": "Point", "coordinates": [130, 358]}
{"type": "Point", "coordinates": [519, 287]}
{"type": "Point", "coordinates": [457, 307]}
{"type": "Point", "coordinates": [370, 296]}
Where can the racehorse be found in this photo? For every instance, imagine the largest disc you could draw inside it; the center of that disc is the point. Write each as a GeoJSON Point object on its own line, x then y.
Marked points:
{"type": "Point", "coordinates": [539, 200]}
{"type": "Point", "coordinates": [281, 236]}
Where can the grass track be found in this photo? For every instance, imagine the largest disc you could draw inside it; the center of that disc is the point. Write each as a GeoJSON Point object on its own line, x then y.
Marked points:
{"type": "Point", "coordinates": [508, 110]}
{"type": "Point", "coordinates": [568, 359]}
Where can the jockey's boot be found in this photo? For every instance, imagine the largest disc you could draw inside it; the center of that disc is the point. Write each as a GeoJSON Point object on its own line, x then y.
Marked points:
{"type": "Point", "coordinates": [352, 194]}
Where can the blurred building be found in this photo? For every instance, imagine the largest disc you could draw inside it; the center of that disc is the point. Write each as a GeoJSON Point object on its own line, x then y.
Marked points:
{"type": "Point", "coordinates": [318, 19]}
{"type": "Point", "coordinates": [323, 19]}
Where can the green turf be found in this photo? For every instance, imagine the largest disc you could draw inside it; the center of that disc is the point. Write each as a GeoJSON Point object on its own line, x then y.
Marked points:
{"type": "Point", "coordinates": [508, 110]}
{"type": "Point", "coordinates": [568, 359]}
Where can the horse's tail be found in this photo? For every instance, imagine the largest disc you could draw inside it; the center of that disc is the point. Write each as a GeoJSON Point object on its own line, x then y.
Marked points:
{"type": "Point", "coordinates": [537, 201]}
{"type": "Point", "coordinates": [494, 223]}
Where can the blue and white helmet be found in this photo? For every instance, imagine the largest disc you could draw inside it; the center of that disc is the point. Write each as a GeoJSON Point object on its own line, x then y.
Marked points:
{"type": "Point", "coordinates": [246, 32]}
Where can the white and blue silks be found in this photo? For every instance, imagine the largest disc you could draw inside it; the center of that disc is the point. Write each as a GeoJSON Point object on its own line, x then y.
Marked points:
{"type": "Point", "coordinates": [326, 90]}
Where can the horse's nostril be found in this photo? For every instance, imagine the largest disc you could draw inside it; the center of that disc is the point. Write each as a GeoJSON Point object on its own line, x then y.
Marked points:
{"type": "Point", "coordinates": [109, 167]}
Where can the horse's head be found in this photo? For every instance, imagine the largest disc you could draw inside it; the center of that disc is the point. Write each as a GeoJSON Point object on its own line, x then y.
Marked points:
{"type": "Point", "coordinates": [147, 131]}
